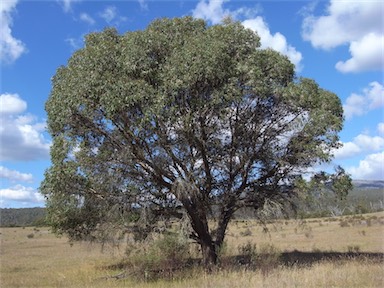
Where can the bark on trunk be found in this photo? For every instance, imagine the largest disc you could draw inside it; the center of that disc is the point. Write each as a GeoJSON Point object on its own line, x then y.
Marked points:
{"type": "Point", "coordinates": [209, 254]}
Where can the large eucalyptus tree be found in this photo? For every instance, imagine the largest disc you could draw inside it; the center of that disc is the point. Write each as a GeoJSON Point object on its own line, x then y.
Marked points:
{"type": "Point", "coordinates": [180, 116]}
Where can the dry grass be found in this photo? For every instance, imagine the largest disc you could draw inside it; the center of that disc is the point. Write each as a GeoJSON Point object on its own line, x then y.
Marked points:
{"type": "Point", "coordinates": [42, 260]}
{"type": "Point", "coordinates": [324, 234]}
{"type": "Point", "coordinates": [326, 274]}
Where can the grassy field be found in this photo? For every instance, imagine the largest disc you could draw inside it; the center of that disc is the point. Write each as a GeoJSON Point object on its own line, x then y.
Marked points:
{"type": "Point", "coordinates": [327, 252]}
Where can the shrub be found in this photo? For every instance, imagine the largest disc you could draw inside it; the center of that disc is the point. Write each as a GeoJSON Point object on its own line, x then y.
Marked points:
{"type": "Point", "coordinates": [161, 258]}
{"type": "Point", "coordinates": [266, 258]}
{"type": "Point", "coordinates": [248, 250]}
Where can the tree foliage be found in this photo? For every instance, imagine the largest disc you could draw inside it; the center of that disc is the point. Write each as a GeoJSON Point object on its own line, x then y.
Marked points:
{"type": "Point", "coordinates": [180, 116]}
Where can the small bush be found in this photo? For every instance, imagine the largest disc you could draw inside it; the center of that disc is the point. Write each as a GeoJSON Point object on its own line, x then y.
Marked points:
{"type": "Point", "coordinates": [162, 258]}
{"type": "Point", "coordinates": [248, 250]}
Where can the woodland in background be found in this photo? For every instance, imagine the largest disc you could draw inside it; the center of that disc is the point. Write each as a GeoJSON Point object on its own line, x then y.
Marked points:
{"type": "Point", "coordinates": [366, 197]}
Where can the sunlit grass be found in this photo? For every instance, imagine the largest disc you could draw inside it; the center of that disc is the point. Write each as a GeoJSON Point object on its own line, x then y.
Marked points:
{"type": "Point", "coordinates": [42, 260]}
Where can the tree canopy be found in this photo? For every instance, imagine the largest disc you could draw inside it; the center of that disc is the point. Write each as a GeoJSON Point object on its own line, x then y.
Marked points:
{"type": "Point", "coordinates": [180, 116]}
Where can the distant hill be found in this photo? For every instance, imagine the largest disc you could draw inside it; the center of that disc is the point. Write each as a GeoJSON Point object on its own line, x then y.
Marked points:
{"type": "Point", "coordinates": [19, 217]}
{"type": "Point", "coordinates": [368, 184]}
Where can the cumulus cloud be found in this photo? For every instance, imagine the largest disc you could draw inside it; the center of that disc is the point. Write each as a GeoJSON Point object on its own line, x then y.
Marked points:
{"type": "Point", "coordinates": [360, 144]}
{"type": "Point", "coordinates": [355, 23]}
{"type": "Point", "coordinates": [10, 47]}
{"type": "Point", "coordinates": [275, 41]}
{"type": "Point", "coordinates": [11, 104]}
{"type": "Point", "coordinates": [380, 128]}
{"type": "Point", "coordinates": [14, 176]}
{"type": "Point", "coordinates": [368, 143]}
{"type": "Point", "coordinates": [367, 54]}
{"type": "Point", "coordinates": [371, 98]}
{"type": "Point", "coordinates": [214, 12]}
{"type": "Point", "coordinates": [21, 193]}
{"type": "Point", "coordinates": [370, 168]}
{"type": "Point", "coordinates": [349, 149]}
{"type": "Point", "coordinates": [21, 134]}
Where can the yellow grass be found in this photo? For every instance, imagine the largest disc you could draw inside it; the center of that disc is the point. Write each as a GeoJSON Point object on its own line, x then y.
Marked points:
{"type": "Point", "coordinates": [314, 234]}
{"type": "Point", "coordinates": [46, 261]}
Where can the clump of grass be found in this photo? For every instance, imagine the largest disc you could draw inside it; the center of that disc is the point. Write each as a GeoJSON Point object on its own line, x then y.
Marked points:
{"type": "Point", "coordinates": [246, 232]}
{"type": "Point", "coordinates": [248, 250]}
{"type": "Point", "coordinates": [344, 224]}
{"type": "Point", "coordinates": [308, 234]}
{"type": "Point", "coordinates": [353, 248]}
{"type": "Point", "coordinates": [362, 232]}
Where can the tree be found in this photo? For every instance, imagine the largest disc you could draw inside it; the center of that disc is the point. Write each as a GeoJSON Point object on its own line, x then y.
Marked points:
{"type": "Point", "coordinates": [180, 116]}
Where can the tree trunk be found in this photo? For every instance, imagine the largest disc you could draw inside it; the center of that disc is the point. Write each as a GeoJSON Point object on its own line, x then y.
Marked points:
{"type": "Point", "coordinates": [225, 216]}
{"type": "Point", "coordinates": [208, 250]}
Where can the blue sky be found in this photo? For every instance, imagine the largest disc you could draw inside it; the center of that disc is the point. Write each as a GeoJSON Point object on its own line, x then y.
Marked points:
{"type": "Point", "coordinates": [340, 44]}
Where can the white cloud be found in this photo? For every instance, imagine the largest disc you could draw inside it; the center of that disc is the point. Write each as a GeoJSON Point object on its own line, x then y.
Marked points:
{"type": "Point", "coordinates": [75, 43]}
{"type": "Point", "coordinates": [111, 16]}
{"type": "Point", "coordinates": [143, 4]}
{"type": "Point", "coordinates": [14, 175]}
{"type": "Point", "coordinates": [370, 168]}
{"type": "Point", "coordinates": [275, 41]}
{"type": "Point", "coordinates": [214, 12]}
{"type": "Point", "coordinates": [372, 98]}
{"type": "Point", "coordinates": [356, 23]}
{"type": "Point", "coordinates": [22, 194]}
{"type": "Point", "coordinates": [211, 11]}
{"type": "Point", "coordinates": [367, 54]}
{"type": "Point", "coordinates": [361, 144]}
{"type": "Point", "coordinates": [67, 4]}
{"type": "Point", "coordinates": [87, 19]}
{"type": "Point", "coordinates": [11, 104]}
{"type": "Point", "coordinates": [368, 143]}
{"type": "Point", "coordinates": [380, 128]}
{"type": "Point", "coordinates": [21, 135]}
{"type": "Point", "coordinates": [10, 47]}
{"type": "Point", "coordinates": [348, 149]}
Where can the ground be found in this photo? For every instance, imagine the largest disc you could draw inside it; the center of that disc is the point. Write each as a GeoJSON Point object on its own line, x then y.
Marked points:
{"type": "Point", "coordinates": [325, 252]}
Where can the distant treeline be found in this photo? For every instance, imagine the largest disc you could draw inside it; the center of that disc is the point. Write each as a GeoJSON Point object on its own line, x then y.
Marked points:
{"type": "Point", "coordinates": [21, 217]}
{"type": "Point", "coordinates": [366, 197]}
